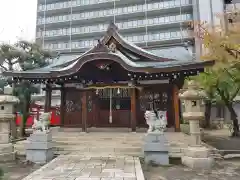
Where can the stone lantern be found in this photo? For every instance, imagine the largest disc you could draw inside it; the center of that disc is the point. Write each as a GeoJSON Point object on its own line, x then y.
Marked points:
{"type": "Point", "coordinates": [196, 155]}
{"type": "Point", "coordinates": [7, 107]}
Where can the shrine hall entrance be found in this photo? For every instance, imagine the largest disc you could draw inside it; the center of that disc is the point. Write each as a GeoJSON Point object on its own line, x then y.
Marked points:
{"type": "Point", "coordinates": [111, 107]}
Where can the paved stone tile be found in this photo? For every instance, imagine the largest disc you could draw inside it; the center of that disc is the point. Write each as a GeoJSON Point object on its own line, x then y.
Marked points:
{"type": "Point", "coordinates": [65, 178]}
{"type": "Point", "coordinates": [80, 167]}
{"type": "Point", "coordinates": [115, 178]}
{"type": "Point", "coordinates": [87, 178]}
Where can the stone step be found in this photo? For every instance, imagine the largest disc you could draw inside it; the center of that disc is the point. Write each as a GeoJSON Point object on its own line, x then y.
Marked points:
{"type": "Point", "coordinates": [98, 143]}
{"type": "Point", "coordinates": [21, 151]}
{"type": "Point", "coordinates": [89, 148]}
{"type": "Point", "coordinates": [101, 134]}
{"type": "Point", "coordinates": [138, 154]}
{"type": "Point", "coordinates": [133, 151]}
{"type": "Point", "coordinates": [89, 145]}
{"type": "Point", "coordinates": [97, 138]}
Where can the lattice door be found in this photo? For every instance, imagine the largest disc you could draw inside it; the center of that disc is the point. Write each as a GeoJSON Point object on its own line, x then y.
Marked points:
{"type": "Point", "coordinates": [73, 108]}
{"type": "Point", "coordinates": [152, 100]}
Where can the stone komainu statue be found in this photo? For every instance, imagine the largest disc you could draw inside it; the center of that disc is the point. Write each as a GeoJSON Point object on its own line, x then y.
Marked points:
{"type": "Point", "coordinates": [156, 120]}
{"type": "Point", "coordinates": [43, 123]}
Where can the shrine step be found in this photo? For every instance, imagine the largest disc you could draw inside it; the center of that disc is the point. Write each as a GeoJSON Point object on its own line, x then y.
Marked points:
{"type": "Point", "coordinates": [99, 136]}
{"type": "Point", "coordinates": [61, 149]}
{"type": "Point", "coordinates": [103, 149]}
{"type": "Point", "coordinates": [98, 140]}
{"type": "Point", "coordinates": [120, 143]}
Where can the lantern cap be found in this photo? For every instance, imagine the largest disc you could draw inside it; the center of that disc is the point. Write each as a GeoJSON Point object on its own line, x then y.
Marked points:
{"type": "Point", "coordinates": [8, 99]}
{"type": "Point", "coordinates": [193, 92]}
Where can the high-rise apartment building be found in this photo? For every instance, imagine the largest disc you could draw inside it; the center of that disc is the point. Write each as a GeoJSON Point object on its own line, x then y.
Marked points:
{"type": "Point", "coordinates": [76, 25]}
{"type": "Point", "coordinates": [73, 26]}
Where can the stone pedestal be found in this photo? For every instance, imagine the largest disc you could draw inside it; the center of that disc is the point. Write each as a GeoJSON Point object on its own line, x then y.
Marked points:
{"type": "Point", "coordinates": [197, 158]}
{"type": "Point", "coordinates": [55, 129]}
{"type": "Point", "coordinates": [7, 152]}
{"type": "Point", "coordinates": [39, 147]}
{"type": "Point", "coordinates": [156, 149]}
{"type": "Point", "coordinates": [7, 103]}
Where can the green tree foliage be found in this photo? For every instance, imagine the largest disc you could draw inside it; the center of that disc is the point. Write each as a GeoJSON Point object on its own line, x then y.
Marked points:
{"type": "Point", "coordinates": [1, 174]}
{"type": "Point", "coordinates": [24, 56]}
{"type": "Point", "coordinates": [3, 83]}
{"type": "Point", "coordinates": [221, 82]}
{"type": "Point", "coordinates": [207, 82]}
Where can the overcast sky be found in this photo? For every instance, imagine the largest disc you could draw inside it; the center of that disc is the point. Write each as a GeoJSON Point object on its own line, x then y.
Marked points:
{"type": "Point", "coordinates": [17, 20]}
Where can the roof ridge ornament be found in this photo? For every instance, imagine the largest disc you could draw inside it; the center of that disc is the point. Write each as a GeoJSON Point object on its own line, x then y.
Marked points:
{"type": "Point", "coordinates": [112, 47]}
{"type": "Point", "coordinates": [112, 26]}
{"type": "Point", "coordinates": [100, 47]}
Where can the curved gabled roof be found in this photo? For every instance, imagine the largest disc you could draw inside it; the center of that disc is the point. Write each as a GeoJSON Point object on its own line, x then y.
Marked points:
{"type": "Point", "coordinates": [115, 48]}
{"type": "Point", "coordinates": [112, 32]}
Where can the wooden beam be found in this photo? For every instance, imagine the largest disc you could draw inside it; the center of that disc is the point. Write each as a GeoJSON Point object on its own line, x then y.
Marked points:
{"type": "Point", "coordinates": [176, 107]}
{"type": "Point", "coordinates": [63, 105]}
{"type": "Point", "coordinates": [133, 109]}
{"type": "Point", "coordinates": [53, 88]}
{"type": "Point", "coordinates": [84, 110]}
{"type": "Point", "coordinates": [48, 99]}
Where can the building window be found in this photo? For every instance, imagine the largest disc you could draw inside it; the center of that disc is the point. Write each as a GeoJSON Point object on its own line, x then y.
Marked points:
{"type": "Point", "coordinates": [129, 9]}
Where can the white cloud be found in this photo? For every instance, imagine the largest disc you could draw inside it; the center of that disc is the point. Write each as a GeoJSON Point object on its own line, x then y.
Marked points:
{"type": "Point", "coordinates": [17, 20]}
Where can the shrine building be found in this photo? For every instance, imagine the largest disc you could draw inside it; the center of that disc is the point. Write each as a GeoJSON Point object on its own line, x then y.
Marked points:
{"type": "Point", "coordinates": [113, 84]}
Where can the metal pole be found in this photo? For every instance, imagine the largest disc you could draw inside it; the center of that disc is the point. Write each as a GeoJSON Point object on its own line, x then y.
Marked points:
{"type": "Point", "coordinates": [44, 25]}
{"type": "Point", "coordinates": [110, 109]}
{"type": "Point", "coordinates": [146, 26]}
{"type": "Point", "coordinates": [70, 37]}
{"type": "Point", "coordinates": [181, 31]}
{"type": "Point", "coordinates": [114, 11]}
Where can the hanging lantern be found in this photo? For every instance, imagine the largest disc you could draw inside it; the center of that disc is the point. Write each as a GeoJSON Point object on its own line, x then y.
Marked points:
{"type": "Point", "coordinates": [118, 91]}
{"type": "Point", "coordinates": [96, 91]}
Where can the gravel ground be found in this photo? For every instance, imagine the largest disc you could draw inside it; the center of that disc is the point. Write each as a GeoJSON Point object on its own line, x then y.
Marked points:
{"type": "Point", "coordinates": [223, 170]}
{"type": "Point", "coordinates": [223, 143]}
{"type": "Point", "coordinates": [18, 169]}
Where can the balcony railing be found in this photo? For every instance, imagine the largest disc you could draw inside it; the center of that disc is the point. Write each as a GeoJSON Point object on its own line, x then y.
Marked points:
{"type": "Point", "coordinates": [121, 25]}
{"type": "Point", "coordinates": [112, 12]}
{"type": "Point", "coordinates": [77, 3]}
{"type": "Point", "coordinates": [135, 38]}
{"type": "Point", "coordinates": [69, 4]}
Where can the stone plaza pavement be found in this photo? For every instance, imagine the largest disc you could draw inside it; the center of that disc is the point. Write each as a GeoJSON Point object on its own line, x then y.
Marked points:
{"type": "Point", "coordinates": [99, 155]}
{"type": "Point", "coordinates": [90, 167]}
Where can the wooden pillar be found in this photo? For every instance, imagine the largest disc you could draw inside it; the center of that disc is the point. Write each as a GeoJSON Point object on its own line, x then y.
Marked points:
{"type": "Point", "coordinates": [176, 107]}
{"type": "Point", "coordinates": [38, 109]}
{"type": "Point", "coordinates": [62, 106]}
{"type": "Point", "coordinates": [84, 110]}
{"type": "Point", "coordinates": [133, 109]}
{"type": "Point", "coordinates": [48, 99]}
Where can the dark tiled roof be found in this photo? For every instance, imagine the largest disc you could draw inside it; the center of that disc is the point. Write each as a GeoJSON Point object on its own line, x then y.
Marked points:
{"type": "Point", "coordinates": [114, 47]}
